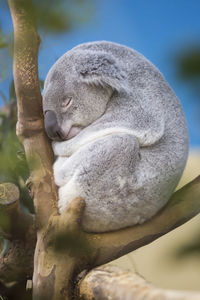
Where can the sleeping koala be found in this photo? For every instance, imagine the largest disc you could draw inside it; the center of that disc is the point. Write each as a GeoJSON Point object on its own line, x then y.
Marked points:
{"type": "Point", "coordinates": [119, 134]}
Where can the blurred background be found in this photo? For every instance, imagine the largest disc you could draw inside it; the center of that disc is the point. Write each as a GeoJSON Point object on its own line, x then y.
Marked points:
{"type": "Point", "coordinates": [168, 34]}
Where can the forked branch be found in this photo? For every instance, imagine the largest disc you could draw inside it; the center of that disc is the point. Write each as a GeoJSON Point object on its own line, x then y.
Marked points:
{"type": "Point", "coordinates": [79, 250]}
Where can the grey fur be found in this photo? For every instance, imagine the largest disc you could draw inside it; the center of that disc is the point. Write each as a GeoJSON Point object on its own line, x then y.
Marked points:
{"type": "Point", "coordinates": [131, 144]}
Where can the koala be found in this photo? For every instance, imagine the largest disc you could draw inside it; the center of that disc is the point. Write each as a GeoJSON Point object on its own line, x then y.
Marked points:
{"type": "Point", "coordinates": [119, 134]}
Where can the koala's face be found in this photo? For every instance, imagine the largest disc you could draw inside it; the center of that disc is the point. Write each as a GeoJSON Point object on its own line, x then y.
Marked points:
{"type": "Point", "coordinates": [69, 105]}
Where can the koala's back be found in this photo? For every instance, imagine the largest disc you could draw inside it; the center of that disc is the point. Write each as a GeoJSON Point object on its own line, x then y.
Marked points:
{"type": "Point", "coordinates": [143, 76]}
{"type": "Point", "coordinates": [126, 178]}
{"type": "Point", "coordinates": [151, 97]}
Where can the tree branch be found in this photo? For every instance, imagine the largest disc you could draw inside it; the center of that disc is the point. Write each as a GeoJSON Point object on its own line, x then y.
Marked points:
{"type": "Point", "coordinates": [80, 250]}
{"type": "Point", "coordinates": [183, 205]}
{"type": "Point", "coordinates": [30, 127]}
{"type": "Point", "coordinates": [14, 223]}
{"type": "Point", "coordinates": [17, 264]}
{"type": "Point", "coordinates": [109, 282]}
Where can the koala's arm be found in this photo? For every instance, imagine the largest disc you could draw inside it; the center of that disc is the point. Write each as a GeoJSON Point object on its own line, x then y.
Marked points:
{"type": "Point", "coordinates": [87, 135]}
{"type": "Point", "coordinates": [64, 148]}
{"type": "Point", "coordinates": [68, 147]}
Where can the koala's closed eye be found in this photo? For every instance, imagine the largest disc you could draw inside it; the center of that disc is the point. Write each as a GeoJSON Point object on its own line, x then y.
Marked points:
{"type": "Point", "coordinates": [66, 103]}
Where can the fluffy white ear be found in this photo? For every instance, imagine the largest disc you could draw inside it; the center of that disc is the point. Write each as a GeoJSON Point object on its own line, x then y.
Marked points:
{"type": "Point", "coordinates": [101, 68]}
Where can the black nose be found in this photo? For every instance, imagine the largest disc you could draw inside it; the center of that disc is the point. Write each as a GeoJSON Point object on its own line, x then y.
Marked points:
{"type": "Point", "coordinates": [52, 127]}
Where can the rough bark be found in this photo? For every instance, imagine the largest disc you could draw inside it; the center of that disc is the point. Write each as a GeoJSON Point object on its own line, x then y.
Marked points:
{"type": "Point", "coordinates": [109, 282]}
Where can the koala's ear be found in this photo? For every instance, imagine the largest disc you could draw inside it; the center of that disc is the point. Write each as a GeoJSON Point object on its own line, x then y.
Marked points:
{"type": "Point", "coordinates": [101, 68]}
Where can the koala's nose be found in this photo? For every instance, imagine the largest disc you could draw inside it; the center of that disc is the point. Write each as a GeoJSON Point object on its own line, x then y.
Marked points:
{"type": "Point", "coordinates": [52, 127]}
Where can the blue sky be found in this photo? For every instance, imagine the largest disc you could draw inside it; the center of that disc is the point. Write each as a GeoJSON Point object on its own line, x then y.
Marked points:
{"type": "Point", "coordinates": [159, 29]}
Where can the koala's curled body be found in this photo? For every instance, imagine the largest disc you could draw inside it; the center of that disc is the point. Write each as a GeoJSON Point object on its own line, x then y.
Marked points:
{"type": "Point", "coordinates": [126, 136]}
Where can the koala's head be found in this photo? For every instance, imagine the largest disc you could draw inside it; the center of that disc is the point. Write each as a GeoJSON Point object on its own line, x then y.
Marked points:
{"type": "Point", "coordinates": [77, 90]}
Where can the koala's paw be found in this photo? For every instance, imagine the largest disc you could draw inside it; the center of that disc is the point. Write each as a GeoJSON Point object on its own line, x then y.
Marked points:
{"type": "Point", "coordinates": [64, 148]}
{"type": "Point", "coordinates": [67, 193]}
{"type": "Point", "coordinates": [55, 147]}
{"type": "Point", "coordinates": [60, 149]}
